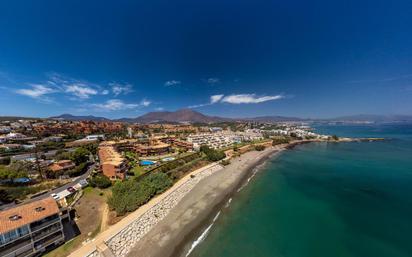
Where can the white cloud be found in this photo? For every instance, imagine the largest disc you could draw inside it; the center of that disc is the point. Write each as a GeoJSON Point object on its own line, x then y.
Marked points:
{"type": "Point", "coordinates": [249, 99]}
{"type": "Point", "coordinates": [159, 109]}
{"type": "Point", "coordinates": [105, 92]}
{"type": "Point", "coordinates": [36, 91]}
{"type": "Point", "coordinates": [215, 98]}
{"type": "Point", "coordinates": [145, 102]}
{"type": "Point", "coordinates": [197, 105]}
{"type": "Point", "coordinates": [114, 105]}
{"type": "Point", "coordinates": [118, 88]}
{"type": "Point", "coordinates": [213, 80]}
{"type": "Point", "coordinates": [172, 83]}
{"type": "Point", "coordinates": [238, 99]}
{"type": "Point", "coordinates": [80, 90]}
{"type": "Point", "coordinates": [117, 105]}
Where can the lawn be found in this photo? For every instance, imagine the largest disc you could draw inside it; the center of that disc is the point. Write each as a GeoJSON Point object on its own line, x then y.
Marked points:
{"type": "Point", "coordinates": [138, 171]}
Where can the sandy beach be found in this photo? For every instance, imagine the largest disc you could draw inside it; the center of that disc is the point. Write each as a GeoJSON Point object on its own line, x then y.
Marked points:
{"type": "Point", "coordinates": [173, 235]}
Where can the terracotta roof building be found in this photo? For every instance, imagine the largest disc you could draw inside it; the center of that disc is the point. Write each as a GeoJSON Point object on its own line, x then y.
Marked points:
{"type": "Point", "coordinates": [62, 165]}
{"type": "Point", "coordinates": [153, 148]}
{"type": "Point", "coordinates": [28, 229]}
{"type": "Point", "coordinates": [112, 164]}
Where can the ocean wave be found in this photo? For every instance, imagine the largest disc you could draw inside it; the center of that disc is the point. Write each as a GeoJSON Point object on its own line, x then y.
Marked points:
{"type": "Point", "coordinates": [202, 236]}
{"type": "Point", "coordinates": [228, 202]}
{"type": "Point", "coordinates": [254, 172]}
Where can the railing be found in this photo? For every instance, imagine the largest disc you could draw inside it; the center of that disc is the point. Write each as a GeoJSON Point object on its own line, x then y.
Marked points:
{"type": "Point", "coordinates": [9, 249]}
{"type": "Point", "coordinates": [42, 225]}
{"type": "Point", "coordinates": [48, 240]}
{"type": "Point", "coordinates": [43, 233]}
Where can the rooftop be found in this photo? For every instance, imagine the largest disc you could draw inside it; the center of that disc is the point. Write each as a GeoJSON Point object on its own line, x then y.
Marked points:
{"type": "Point", "coordinates": [25, 214]}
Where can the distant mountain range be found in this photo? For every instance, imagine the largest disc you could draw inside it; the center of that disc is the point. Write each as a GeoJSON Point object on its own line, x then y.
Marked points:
{"type": "Point", "coordinates": [191, 116]}
{"type": "Point", "coordinates": [78, 118]}
{"type": "Point", "coordinates": [179, 116]}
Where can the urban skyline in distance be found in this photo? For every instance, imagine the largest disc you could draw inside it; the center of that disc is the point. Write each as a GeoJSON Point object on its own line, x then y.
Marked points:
{"type": "Point", "coordinates": [257, 59]}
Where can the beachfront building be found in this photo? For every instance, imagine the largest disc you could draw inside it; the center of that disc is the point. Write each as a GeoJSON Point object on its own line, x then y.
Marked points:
{"type": "Point", "coordinates": [188, 146]}
{"type": "Point", "coordinates": [213, 140]}
{"type": "Point", "coordinates": [112, 164]}
{"type": "Point", "coordinates": [30, 229]}
{"type": "Point", "coordinates": [153, 147]}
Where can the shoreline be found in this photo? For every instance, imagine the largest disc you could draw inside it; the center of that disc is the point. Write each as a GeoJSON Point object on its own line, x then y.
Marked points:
{"type": "Point", "coordinates": [174, 235]}
{"type": "Point", "coordinates": [182, 248]}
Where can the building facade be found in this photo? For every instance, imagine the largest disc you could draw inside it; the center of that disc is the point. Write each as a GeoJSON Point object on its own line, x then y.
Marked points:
{"type": "Point", "coordinates": [112, 164]}
{"type": "Point", "coordinates": [30, 229]}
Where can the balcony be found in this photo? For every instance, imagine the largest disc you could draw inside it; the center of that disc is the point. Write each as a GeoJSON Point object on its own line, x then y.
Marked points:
{"type": "Point", "coordinates": [47, 231]}
{"type": "Point", "coordinates": [16, 247]}
{"type": "Point", "coordinates": [43, 243]}
{"type": "Point", "coordinates": [44, 223]}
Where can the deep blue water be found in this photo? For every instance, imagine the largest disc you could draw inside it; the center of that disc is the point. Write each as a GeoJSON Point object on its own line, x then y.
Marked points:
{"type": "Point", "coordinates": [324, 200]}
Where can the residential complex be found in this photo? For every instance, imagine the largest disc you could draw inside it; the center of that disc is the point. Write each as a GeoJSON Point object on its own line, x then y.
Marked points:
{"type": "Point", "coordinates": [112, 164]}
{"type": "Point", "coordinates": [223, 139]}
{"type": "Point", "coordinates": [30, 229]}
{"type": "Point", "coordinates": [153, 147]}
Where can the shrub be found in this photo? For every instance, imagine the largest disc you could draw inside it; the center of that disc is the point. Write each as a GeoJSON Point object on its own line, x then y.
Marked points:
{"type": "Point", "coordinates": [5, 197]}
{"type": "Point", "coordinates": [278, 141]}
{"type": "Point", "coordinates": [225, 162]}
{"type": "Point", "coordinates": [5, 161]}
{"type": "Point", "coordinates": [259, 147]}
{"type": "Point", "coordinates": [100, 181]}
{"type": "Point", "coordinates": [128, 195]}
{"type": "Point", "coordinates": [212, 154]}
{"type": "Point", "coordinates": [78, 170]}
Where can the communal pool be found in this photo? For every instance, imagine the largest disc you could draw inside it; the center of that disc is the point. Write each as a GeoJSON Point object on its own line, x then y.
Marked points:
{"type": "Point", "coordinates": [146, 162]}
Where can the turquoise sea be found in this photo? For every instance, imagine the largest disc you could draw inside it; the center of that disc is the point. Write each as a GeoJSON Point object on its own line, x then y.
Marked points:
{"type": "Point", "coordinates": [324, 200]}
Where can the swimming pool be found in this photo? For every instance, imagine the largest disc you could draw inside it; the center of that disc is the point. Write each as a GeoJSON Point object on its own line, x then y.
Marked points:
{"type": "Point", "coordinates": [146, 162]}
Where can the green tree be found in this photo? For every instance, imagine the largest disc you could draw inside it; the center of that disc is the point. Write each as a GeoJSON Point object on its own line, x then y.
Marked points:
{"type": "Point", "coordinates": [212, 154]}
{"type": "Point", "coordinates": [100, 181]}
{"type": "Point", "coordinates": [259, 147]}
{"type": "Point", "coordinates": [80, 155]}
{"type": "Point", "coordinates": [12, 173]}
{"type": "Point", "coordinates": [5, 197]}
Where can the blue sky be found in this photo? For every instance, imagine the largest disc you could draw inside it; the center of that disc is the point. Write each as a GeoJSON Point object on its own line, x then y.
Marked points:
{"type": "Point", "coordinates": [228, 58]}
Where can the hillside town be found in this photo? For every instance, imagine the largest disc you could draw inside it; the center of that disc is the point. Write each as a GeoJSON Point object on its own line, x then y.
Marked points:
{"type": "Point", "coordinates": [62, 182]}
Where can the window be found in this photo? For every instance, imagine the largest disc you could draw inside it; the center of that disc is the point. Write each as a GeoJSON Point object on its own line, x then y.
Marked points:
{"type": "Point", "coordinates": [11, 235]}
{"type": "Point", "coordinates": [23, 231]}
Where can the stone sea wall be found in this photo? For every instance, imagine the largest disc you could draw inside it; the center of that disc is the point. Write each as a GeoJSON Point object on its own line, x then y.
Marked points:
{"type": "Point", "coordinates": [121, 243]}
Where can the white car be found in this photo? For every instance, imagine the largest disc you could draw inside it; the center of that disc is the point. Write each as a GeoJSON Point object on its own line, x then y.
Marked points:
{"type": "Point", "coordinates": [55, 196]}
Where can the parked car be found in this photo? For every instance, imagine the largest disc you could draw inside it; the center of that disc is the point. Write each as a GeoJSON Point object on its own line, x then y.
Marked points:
{"type": "Point", "coordinates": [83, 183]}
{"type": "Point", "coordinates": [71, 189]}
{"type": "Point", "coordinates": [55, 196]}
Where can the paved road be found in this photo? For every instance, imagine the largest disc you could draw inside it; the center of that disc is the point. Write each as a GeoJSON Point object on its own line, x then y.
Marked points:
{"type": "Point", "coordinates": [54, 191]}
{"type": "Point", "coordinates": [62, 188]}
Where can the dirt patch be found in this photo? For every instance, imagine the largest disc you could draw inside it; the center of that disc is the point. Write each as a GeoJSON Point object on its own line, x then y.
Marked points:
{"type": "Point", "coordinates": [89, 210]}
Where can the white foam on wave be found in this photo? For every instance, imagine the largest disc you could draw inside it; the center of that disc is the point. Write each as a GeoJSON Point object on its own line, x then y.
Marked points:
{"type": "Point", "coordinates": [228, 202]}
{"type": "Point", "coordinates": [254, 172]}
{"type": "Point", "coordinates": [202, 236]}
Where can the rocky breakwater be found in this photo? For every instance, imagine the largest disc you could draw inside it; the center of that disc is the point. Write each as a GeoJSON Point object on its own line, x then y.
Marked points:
{"type": "Point", "coordinates": [121, 243]}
